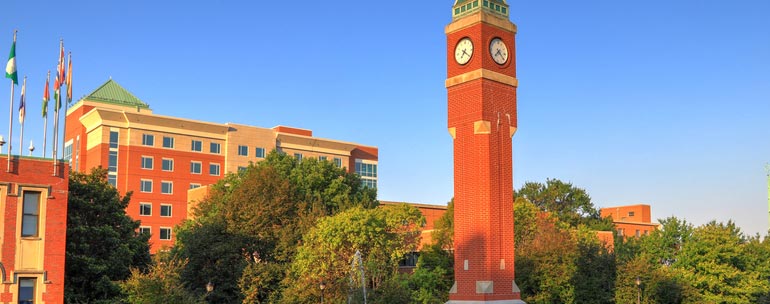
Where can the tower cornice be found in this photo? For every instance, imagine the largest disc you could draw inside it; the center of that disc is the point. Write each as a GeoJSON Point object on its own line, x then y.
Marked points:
{"type": "Point", "coordinates": [480, 17]}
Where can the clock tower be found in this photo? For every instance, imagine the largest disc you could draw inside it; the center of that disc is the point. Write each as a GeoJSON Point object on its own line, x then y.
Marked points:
{"type": "Point", "coordinates": [481, 91]}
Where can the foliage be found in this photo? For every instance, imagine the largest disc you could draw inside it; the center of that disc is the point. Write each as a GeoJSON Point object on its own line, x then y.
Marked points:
{"type": "Point", "coordinates": [443, 233]}
{"type": "Point", "coordinates": [570, 204]}
{"type": "Point", "coordinates": [595, 269]}
{"type": "Point", "coordinates": [214, 255]}
{"type": "Point", "coordinates": [256, 218]}
{"type": "Point", "coordinates": [433, 277]}
{"type": "Point", "coordinates": [383, 236]}
{"type": "Point", "coordinates": [160, 285]}
{"type": "Point", "coordinates": [715, 263]}
{"type": "Point", "coordinates": [102, 242]}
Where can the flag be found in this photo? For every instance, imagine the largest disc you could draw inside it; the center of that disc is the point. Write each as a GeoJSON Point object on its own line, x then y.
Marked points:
{"type": "Point", "coordinates": [59, 77]}
{"type": "Point", "coordinates": [46, 95]}
{"type": "Point", "coordinates": [22, 103]}
{"type": "Point", "coordinates": [69, 78]}
{"type": "Point", "coordinates": [10, 67]}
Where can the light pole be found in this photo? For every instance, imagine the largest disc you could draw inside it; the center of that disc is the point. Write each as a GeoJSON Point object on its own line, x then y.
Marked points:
{"type": "Point", "coordinates": [638, 290]}
{"type": "Point", "coordinates": [322, 286]}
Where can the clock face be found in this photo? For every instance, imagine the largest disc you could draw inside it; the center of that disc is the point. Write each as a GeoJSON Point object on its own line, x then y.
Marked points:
{"type": "Point", "coordinates": [464, 51]}
{"type": "Point", "coordinates": [498, 51]}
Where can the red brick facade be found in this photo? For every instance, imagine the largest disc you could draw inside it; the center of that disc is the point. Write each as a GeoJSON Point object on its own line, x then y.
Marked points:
{"type": "Point", "coordinates": [482, 118]}
{"type": "Point", "coordinates": [39, 257]}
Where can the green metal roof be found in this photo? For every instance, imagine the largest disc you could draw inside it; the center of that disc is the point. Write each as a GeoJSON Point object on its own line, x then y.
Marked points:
{"type": "Point", "coordinates": [463, 8]}
{"type": "Point", "coordinates": [112, 92]}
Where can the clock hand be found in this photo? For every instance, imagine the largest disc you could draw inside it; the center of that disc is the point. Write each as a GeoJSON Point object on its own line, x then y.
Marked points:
{"type": "Point", "coordinates": [465, 53]}
{"type": "Point", "coordinates": [498, 53]}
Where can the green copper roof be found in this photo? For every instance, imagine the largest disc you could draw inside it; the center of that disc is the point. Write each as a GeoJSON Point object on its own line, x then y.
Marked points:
{"type": "Point", "coordinates": [112, 92]}
{"type": "Point", "coordinates": [466, 7]}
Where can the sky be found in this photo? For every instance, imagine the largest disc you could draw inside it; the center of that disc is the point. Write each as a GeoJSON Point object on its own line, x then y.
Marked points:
{"type": "Point", "coordinates": [665, 103]}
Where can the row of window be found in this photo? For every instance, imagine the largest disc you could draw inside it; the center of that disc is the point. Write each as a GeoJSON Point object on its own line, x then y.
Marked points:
{"type": "Point", "coordinates": [167, 164]}
{"type": "Point", "coordinates": [170, 143]}
{"type": "Point", "coordinates": [337, 161]}
{"type": "Point", "coordinates": [145, 209]}
{"type": "Point", "coordinates": [244, 151]}
{"type": "Point", "coordinates": [622, 232]}
{"type": "Point", "coordinates": [164, 232]}
{"type": "Point", "coordinates": [146, 186]}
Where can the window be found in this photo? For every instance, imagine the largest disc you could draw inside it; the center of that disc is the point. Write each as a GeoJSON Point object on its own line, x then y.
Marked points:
{"type": "Point", "coordinates": [26, 290]}
{"type": "Point", "coordinates": [260, 152]}
{"type": "Point", "coordinates": [145, 230]}
{"type": "Point", "coordinates": [322, 157]}
{"type": "Point", "coordinates": [630, 214]}
{"type": "Point", "coordinates": [409, 260]}
{"type": "Point", "coordinates": [195, 167]}
{"type": "Point", "coordinates": [30, 214]}
{"type": "Point", "coordinates": [165, 210]}
{"type": "Point", "coordinates": [167, 164]}
{"type": "Point", "coordinates": [165, 233]}
{"type": "Point", "coordinates": [68, 152]}
{"type": "Point", "coordinates": [114, 139]}
{"type": "Point", "coordinates": [366, 170]}
{"type": "Point", "coordinates": [637, 232]}
{"type": "Point", "coordinates": [195, 186]}
{"type": "Point", "coordinates": [148, 140]}
{"type": "Point", "coordinates": [147, 162]}
{"type": "Point", "coordinates": [168, 142]}
{"type": "Point", "coordinates": [145, 209]}
{"type": "Point", "coordinates": [620, 231]}
{"type": "Point", "coordinates": [197, 146]}
{"type": "Point", "coordinates": [214, 169]}
{"type": "Point", "coordinates": [243, 150]}
{"type": "Point", "coordinates": [241, 168]}
{"type": "Point", "coordinates": [145, 186]}
{"type": "Point", "coordinates": [112, 179]}
{"type": "Point", "coordinates": [338, 162]}
{"type": "Point", "coordinates": [368, 173]}
{"type": "Point", "coordinates": [214, 148]}
{"type": "Point", "coordinates": [298, 156]}
{"type": "Point", "coordinates": [112, 165]}
{"type": "Point", "coordinates": [166, 187]}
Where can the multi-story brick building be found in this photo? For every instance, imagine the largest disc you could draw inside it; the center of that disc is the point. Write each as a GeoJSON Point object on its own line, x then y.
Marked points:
{"type": "Point", "coordinates": [632, 220]}
{"type": "Point", "coordinates": [160, 157]}
{"type": "Point", "coordinates": [33, 201]}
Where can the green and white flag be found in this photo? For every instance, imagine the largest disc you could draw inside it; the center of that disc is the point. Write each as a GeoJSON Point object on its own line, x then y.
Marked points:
{"type": "Point", "coordinates": [10, 67]}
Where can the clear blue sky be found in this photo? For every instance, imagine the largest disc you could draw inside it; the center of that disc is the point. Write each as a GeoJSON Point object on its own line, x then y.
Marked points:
{"type": "Point", "coordinates": [659, 102]}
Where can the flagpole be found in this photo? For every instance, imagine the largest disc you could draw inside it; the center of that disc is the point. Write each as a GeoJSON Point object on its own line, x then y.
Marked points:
{"type": "Point", "coordinates": [66, 107]}
{"type": "Point", "coordinates": [21, 118]}
{"type": "Point", "coordinates": [57, 106]}
{"type": "Point", "coordinates": [10, 117]}
{"type": "Point", "coordinates": [45, 106]}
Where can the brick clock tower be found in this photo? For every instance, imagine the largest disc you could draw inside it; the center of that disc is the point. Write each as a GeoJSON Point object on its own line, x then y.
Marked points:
{"type": "Point", "coordinates": [481, 87]}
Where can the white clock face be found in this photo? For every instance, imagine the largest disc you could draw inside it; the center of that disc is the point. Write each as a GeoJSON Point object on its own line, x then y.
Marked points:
{"type": "Point", "coordinates": [464, 51]}
{"type": "Point", "coordinates": [498, 51]}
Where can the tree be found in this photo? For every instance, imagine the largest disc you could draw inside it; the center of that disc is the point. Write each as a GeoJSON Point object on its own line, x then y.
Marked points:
{"type": "Point", "coordinates": [383, 237]}
{"type": "Point", "coordinates": [572, 205]}
{"type": "Point", "coordinates": [443, 232]}
{"type": "Point", "coordinates": [715, 263]}
{"type": "Point", "coordinates": [102, 241]}
{"type": "Point", "coordinates": [257, 218]}
{"type": "Point", "coordinates": [160, 285]}
{"type": "Point", "coordinates": [433, 277]}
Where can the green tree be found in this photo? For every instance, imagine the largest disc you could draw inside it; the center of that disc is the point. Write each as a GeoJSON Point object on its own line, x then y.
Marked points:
{"type": "Point", "coordinates": [433, 277]}
{"type": "Point", "coordinates": [257, 217]}
{"type": "Point", "coordinates": [214, 255]}
{"type": "Point", "coordinates": [595, 269]}
{"type": "Point", "coordinates": [572, 205]}
{"type": "Point", "coordinates": [443, 228]}
{"type": "Point", "coordinates": [715, 263]}
{"type": "Point", "coordinates": [160, 285]}
{"type": "Point", "coordinates": [102, 241]}
{"type": "Point", "coordinates": [383, 236]}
